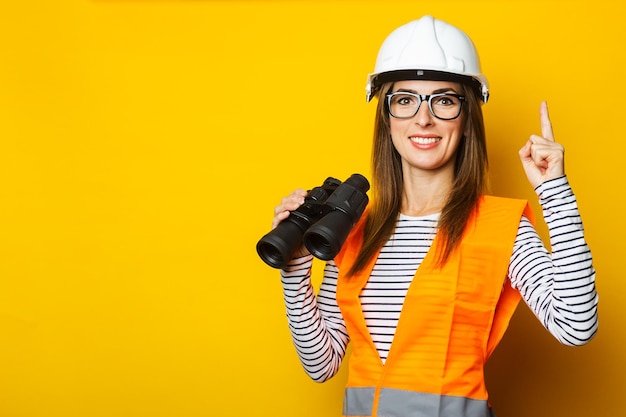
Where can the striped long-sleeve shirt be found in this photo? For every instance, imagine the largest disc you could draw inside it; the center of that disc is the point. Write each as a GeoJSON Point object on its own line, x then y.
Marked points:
{"type": "Point", "coordinates": [559, 287]}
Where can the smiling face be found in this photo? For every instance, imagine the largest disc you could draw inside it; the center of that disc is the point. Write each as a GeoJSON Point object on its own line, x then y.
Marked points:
{"type": "Point", "coordinates": [424, 142]}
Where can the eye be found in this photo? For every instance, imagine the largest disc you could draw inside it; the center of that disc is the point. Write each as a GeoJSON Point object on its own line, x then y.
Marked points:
{"type": "Point", "coordinates": [446, 100]}
{"type": "Point", "coordinates": [404, 100]}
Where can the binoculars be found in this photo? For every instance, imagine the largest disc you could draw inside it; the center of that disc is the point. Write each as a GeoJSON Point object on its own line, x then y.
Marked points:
{"type": "Point", "coordinates": [322, 222]}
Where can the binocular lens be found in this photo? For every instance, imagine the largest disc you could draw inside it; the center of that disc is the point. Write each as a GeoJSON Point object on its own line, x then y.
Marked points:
{"type": "Point", "coordinates": [325, 238]}
{"type": "Point", "coordinates": [277, 247]}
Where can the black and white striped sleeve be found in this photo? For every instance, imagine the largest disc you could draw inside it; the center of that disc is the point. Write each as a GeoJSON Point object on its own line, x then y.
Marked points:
{"type": "Point", "coordinates": [315, 322]}
{"type": "Point", "coordinates": [558, 287]}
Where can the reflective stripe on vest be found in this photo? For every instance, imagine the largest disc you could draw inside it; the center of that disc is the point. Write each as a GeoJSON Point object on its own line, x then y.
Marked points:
{"type": "Point", "coordinates": [400, 403]}
{"type": "Point", "coordinates": [452, 319]}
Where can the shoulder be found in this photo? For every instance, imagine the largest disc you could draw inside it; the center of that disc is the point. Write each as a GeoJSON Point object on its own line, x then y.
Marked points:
{"type": "Point", "coordinates": [354, 241]}
{"type": "Point", "coordinates": [490, 206]}
{"type": "Point", "coordinates": [487, 199]}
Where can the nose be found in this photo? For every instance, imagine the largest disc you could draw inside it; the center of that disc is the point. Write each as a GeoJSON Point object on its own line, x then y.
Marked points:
{"type": "Point", "coordinates": [423, 117]}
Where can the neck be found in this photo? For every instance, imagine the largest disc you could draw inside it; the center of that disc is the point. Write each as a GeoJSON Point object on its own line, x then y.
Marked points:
{"type": "Point", "coordinates": [425, 193]}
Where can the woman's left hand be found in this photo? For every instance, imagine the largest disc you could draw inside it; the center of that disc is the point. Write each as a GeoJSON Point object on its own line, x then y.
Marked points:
{"type": "Point", "coordinates": [542, 157]}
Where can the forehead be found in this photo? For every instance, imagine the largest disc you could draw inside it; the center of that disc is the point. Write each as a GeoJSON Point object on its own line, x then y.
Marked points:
{"type": "Point", "coordinates": [426, 86]}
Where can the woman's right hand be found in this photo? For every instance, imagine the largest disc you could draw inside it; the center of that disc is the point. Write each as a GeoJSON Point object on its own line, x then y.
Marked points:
{"type": "Point", "coordinates": [282, 211]}
{"type": "Point", "coordinates": [288, 204]}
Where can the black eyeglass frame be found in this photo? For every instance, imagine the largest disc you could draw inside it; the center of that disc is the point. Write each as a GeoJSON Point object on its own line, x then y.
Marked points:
{"type": "Point", "coordinates": [428, 99]}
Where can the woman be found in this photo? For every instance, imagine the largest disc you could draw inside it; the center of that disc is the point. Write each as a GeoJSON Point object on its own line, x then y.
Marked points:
{"type": "Point", "coordinates": [426, 283]}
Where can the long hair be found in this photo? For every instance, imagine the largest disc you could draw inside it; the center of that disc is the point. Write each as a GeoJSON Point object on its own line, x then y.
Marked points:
{"type": "Point", "coordinates": [470, 176]}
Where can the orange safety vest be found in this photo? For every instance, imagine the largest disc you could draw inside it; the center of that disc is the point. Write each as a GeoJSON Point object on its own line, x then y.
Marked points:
{"type": "Point", "coordinates": [452, 319]}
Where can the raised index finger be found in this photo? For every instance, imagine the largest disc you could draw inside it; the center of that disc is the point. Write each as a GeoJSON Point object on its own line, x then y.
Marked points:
{"type": "Point", "coordinates": [546, 125]}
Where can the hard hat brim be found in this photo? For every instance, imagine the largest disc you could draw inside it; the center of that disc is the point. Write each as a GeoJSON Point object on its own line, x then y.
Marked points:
{"type": "Point", "coordinates": [376, 81]}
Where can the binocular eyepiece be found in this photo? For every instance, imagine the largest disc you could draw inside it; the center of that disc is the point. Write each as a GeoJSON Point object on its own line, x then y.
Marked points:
{"type": "Point", "coordinates": [322, 222]}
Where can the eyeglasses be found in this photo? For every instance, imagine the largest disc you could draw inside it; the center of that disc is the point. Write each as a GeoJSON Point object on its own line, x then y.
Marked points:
{"type": "Point", "coordinates": [445, 106]}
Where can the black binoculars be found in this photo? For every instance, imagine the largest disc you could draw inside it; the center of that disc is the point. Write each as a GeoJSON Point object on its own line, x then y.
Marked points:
{"type": "Point", "coordinates": [322, 222]}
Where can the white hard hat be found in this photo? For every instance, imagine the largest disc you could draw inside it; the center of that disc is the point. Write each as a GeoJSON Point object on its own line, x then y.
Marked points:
{"type": "Point", "coordinates": [428, 49]}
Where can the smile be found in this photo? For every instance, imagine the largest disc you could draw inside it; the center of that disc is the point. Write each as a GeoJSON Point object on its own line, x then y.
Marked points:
{"type": "Point", "coordinates": [423, 141]}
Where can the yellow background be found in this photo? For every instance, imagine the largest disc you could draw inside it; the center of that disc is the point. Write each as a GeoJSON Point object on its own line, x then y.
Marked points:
{"type": "Point", "coordinates": [144, 144]}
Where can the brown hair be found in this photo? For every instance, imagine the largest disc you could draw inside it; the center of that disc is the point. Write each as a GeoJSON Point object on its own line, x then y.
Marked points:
{"type": "Point", "coordinates": [470, 173]}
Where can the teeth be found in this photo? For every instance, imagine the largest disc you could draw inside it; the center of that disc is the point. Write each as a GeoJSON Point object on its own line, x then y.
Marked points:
{"type": "Point", "coordinates": [423, 141]}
